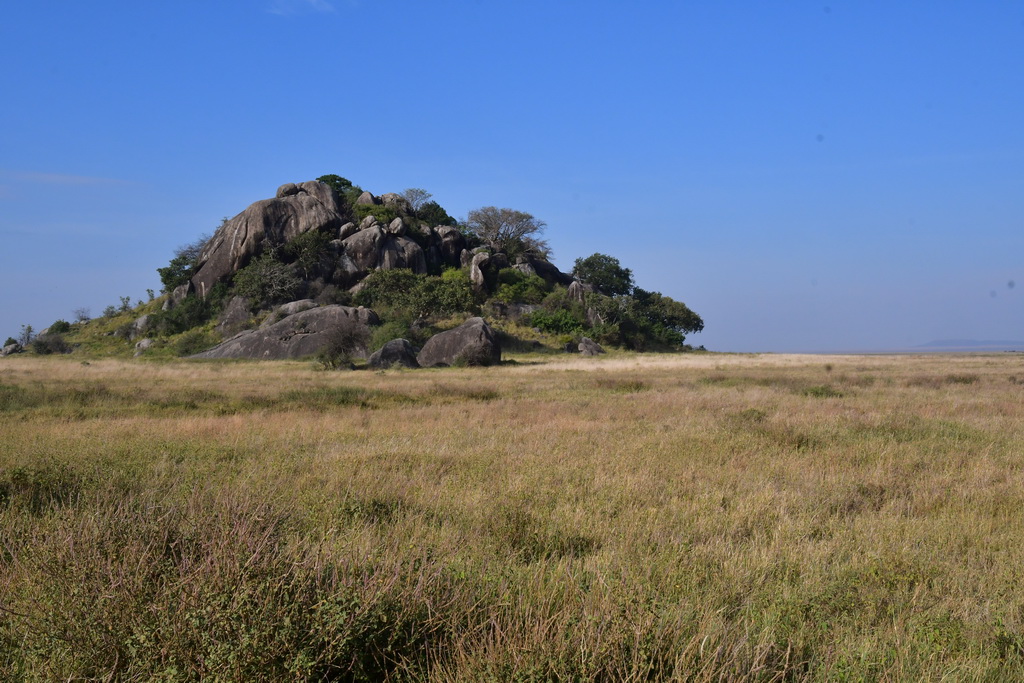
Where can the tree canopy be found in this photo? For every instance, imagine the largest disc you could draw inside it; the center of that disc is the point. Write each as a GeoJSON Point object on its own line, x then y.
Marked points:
{"type": "Point", "coordinates": [180, 270]}
{"type": "Point", "coordinates": [605, 273]}
{"type": "Point", "coordinates": [515, 233]}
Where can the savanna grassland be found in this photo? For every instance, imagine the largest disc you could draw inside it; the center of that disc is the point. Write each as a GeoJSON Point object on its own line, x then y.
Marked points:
{"type": "Point", "coordinates": [681, 517]}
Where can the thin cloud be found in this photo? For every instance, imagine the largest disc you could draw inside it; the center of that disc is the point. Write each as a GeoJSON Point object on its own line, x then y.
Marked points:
{"type": "Point", "coordinates": [289, 7]}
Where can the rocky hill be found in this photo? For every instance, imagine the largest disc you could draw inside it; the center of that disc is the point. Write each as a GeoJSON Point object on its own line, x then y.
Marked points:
{"type": "Point", "coordinates": [325, 269]}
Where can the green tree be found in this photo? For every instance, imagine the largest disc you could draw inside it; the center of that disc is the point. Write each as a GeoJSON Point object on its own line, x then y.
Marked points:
{"type": "Point", "coordinates": [307, 251]}
{"type": "Point", "coordinates": [405, 294]}
{"type": "Point", "coordinates": [516, 287]}
{"type": "Point", "coordinates": [432, 214]}
{"type": "Point", "coordinates": [181, 268]}
{"type": "Point", "coordinates": [605, 273]}
{"type": "Point", "coordinates": [515, 233]}
{"type": "Point", "coordinates": [266, 281]}
{"type": "Point", "coordinates": [343, 186]}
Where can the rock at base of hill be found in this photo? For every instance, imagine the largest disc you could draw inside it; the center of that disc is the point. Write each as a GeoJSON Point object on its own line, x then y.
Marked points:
{"type": "Point", "coordinates": [396, 352]}
{"type": "Point", "coordinates": [302, 334]}
{"type": "Point", "coordinates": [471, 343]}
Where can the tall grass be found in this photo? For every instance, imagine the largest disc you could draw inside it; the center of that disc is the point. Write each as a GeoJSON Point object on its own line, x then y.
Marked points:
{"type": "Point", "coordinates": [629, 518]}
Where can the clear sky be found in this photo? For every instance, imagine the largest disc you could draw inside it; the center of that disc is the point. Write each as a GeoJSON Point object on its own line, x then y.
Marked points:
{"type": "Point", "coordinates": [805, 175]}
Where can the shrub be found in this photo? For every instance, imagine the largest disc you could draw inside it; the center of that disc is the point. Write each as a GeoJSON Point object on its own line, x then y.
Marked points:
{"type": "Point", "coordinates": [308, 251]}
{"type": "Point", "coordinates": [50, 343]}
{"type": "Point", "coordinates": [60, 327]}
{"type": "Point", "coordinates": [266, 281]}
{"type": "Point", "coordinates": [10, 340]}
{"type": "Point", "coordinates": [417, 296]}
{"type": "Point", "coordinates": [556, 322]}
{"type": "Point", "coordinates": [190, 312]}
{"type": "Point", "coordinates": [393, 329]}
{"type": "Point", "coordinates": [343, 342]}
{"type": "Point", "coordinates": [193, 342]}
{"type": "Point", "coordinates": [40, 489]}
{"type": "Point", "coordinates": [514, 286]}
{"type": "Point", "coordinates": [383, 214]}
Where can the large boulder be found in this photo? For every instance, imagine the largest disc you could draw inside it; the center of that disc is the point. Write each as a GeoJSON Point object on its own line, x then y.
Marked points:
{"type": "Point", "coordinates": [451, 244]}
{"type": "Point", "coordinates": [395, 352]}
{"type": "Point", "coordinates": [298, 335]}
{"type": "Point", "coordinates": [476, 270]}
{"type": "Point", "coordinates": [397, 202]}
{"type": "Point", "coordinates": [471, 343]}
{"type": "Point", "coordinates": [578, 290]}
{"type": "Point", "coordinates": [549, 272]}
{"type": "Point", "coordinates": [589, 347]}
{"type": "Point", "coordinates": [142, 346]}
{"type": "Point", "coordinates": [234, 316]}
{"type": "Point", "coordinates": [11, 349]}
{"type": "Point", "coordinates": [374, 247]}
{"type": "Point", "coordinates": [297, 208]}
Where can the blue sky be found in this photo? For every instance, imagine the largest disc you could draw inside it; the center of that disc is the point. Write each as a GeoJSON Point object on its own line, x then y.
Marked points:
{"type": "Point", "coordinates": [807, 176]}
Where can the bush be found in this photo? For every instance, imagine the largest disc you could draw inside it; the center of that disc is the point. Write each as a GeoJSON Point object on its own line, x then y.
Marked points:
{"type": "Point", "coordinates": [514, 286]}
{"type": "Point", "coordinates": [10, 340]}
{"type": "Point", "coordinates": [409, 295]}
{"type": "Point", "coordinates": [556, 322]}
{"type": "Point", "coordinates": [383, 214]}
{"type": "Point", "coordinates": [393, 329]}
{"type": "Point", "coordinates": [50, 343]}
{"type": "Point", "coordinates": [193, 342]}
{"type": "Point", "coordinates": [60, 327]}
{"type": "Point", "coordinates": [308, 251]}
{"type": "Point", "coordinates": [190, 312]}
{"type": "Point", "coordinates": [344, 341]}
{"type": "Point", "coordinates": [266, 281]}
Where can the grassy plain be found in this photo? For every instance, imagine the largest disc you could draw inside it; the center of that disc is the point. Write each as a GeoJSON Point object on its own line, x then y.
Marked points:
{"type": "Point", "coordinates": [686, 517]}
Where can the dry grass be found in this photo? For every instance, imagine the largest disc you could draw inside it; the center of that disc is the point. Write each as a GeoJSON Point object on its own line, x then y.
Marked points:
{"type": "Point", "coordinates": [696, 517]}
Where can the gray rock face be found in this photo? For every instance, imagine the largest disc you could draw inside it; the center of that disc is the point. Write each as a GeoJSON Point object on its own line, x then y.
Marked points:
{"type": "Point", "coordinates": [179, 294]}
{"type": "Point", "coordinates": [347, 230]}
{"type": "Point", "coordinates": [295, 210]}
{"type": "Point", "coordinates": [549, 272]}
{"type": "Point", "coordinates": [375, 248]}
{"type": "Point", "coordinates": [395, 352]}
{"type": "Point", "coordinates": [142, 345]}
{"type": "Point", "coordinates": [139, 327]}
{"type": "Point", "coordinates": [367, 198]}
{"type": "Point", "coordinates": [579, 290]}
{"type": "Point", "coordinates": [11, 349]}
{"type": "Point", "coordinates": [589, 347]}
{"type": "Point", "coordinates": [234, 315]}
{"type": "Point", "coordinates": [293, 307]}
{"type": "Point", "coordinates": [473, 343]}
{"type": "Point", "coordinates": [298, 335]}
{"type": "Point", "coordinates": [396, 202]}
{"type": "Point", "coordinates": [476, 270]}
{"type": "Point", "coordinates": [451, 244]}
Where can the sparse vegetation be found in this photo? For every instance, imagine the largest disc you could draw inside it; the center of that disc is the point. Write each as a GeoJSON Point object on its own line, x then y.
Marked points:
{"type": "Point", "coordinates": [633, 517]}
